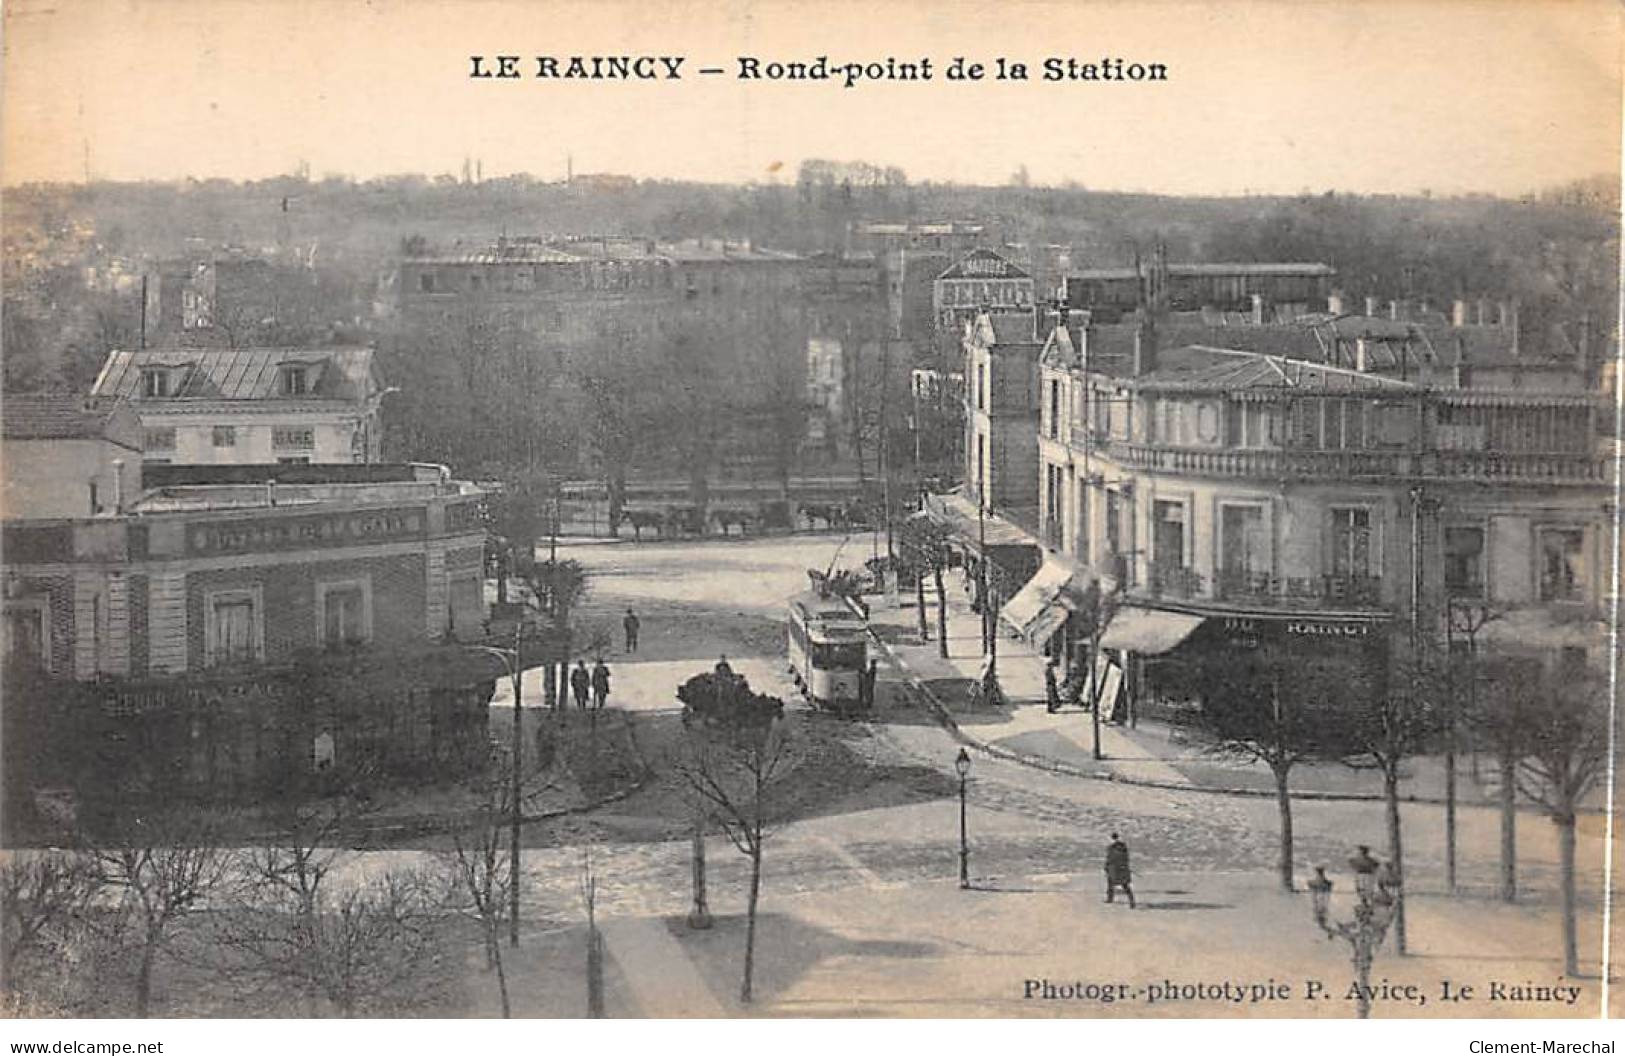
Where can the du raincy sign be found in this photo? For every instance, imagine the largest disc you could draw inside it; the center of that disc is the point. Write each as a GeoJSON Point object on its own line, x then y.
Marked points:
{"type": "Point", "coordinates": [1299, 630]}
{"type": "Point", "coordinates": [301, 532]}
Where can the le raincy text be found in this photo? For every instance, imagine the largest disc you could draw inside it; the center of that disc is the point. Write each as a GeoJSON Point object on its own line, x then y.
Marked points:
{"type": "Point", "coordinates": [821, 68]}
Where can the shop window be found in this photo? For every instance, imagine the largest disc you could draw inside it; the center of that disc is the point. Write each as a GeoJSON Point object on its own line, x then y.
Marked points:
{"type": "Point", "coordinates": [234, 630]}
{"type": "Point", "coordinates": [1351, 543]}
{"type": "Point", "coordinates": [1560, 573]}
{"type": "Point", "coordinates": [344, 612]}
{"type": "Point", "coordinates": [1464, 561]}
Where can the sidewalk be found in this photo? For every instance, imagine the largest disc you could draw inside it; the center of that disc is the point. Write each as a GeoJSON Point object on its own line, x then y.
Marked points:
{"type": "Point", "coordinates": [1152, 753]}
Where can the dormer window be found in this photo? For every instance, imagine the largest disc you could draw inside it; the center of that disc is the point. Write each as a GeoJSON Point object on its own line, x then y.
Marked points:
{"type": "Point", "coordinates": [155, 382]}
{"type": "Point", "coordinates": [294, 381]}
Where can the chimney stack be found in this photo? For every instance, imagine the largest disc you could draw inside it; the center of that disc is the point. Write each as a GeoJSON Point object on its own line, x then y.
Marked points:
{"type": "Point", "coordinates": [1334, 302]}
{"type": "Point", "coordinates": [1371, 306]}
{"type": "Point", "coordinates": [1458, 313]}
{"type": "Point", "coordinates": [1258, 309]}
{"type": "Point", "coordinates": [1361, 360]}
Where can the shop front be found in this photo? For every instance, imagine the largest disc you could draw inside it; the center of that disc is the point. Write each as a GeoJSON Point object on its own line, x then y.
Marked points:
{"type": "Point", "coordinates": [1171, 662]}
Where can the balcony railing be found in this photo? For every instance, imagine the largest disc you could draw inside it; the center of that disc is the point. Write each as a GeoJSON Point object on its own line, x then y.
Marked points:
{"type": "Point", "coordinates": [1490, 466]}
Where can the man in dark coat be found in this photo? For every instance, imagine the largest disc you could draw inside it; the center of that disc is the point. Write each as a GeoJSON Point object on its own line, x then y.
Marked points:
{"type": "Point", "coordinates": [1117, 870]}
{"type": "Point", "coordinates": [600, 684]}
{"type": "Point", "coordinates": [866, 685]}
{"type": "Point", "coordinates": [724, 668]}
{"type": "Point", "coordinates": [629, 623]}
{"type": "Point", "coordinates": [580, 683]}
{"type": "Point", "coordinates": [1052, 692]}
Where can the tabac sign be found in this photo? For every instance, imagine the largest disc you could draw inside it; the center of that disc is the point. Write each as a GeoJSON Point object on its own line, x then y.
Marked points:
{"type": "Point", "coordinates": [300, 532]}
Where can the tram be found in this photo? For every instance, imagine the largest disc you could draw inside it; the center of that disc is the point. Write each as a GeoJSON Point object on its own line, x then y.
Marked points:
{"type": "Point", "coordinates": [828, 646]}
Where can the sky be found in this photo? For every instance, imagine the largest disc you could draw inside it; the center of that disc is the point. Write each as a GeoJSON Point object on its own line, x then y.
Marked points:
{"type": "Point", "coordinates": [1380, 96]}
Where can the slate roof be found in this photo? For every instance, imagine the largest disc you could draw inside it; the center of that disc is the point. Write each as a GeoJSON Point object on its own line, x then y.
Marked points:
{"type": "Point", "coordinates": [59, 416]}
{"type": "Point", "coordinates": [340, 373]}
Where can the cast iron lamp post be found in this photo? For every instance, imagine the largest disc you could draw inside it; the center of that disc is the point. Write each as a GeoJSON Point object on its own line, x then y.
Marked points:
{"type": "Point", "coordinates": [962, 767]}
{"type": "Point", "coordinates": [1377, 889]}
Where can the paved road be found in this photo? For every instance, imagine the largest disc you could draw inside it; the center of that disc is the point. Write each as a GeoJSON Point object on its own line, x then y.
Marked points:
{"type": "Point", "coordinates": [893, 832]}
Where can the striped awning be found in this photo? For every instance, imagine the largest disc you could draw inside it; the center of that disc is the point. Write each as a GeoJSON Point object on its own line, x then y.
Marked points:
{"type": "Point", "coordinates": [1039, 608]}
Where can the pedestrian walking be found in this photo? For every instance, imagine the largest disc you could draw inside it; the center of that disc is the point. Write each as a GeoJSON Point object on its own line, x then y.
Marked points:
{"type": "Point", "coordinates": [866, 685]}
{"type": "Point", "coordinates": [1052, 691]}
{"type": "Point", "coordinates": [1118, 874]}
{"type": "Point", "coordinates": [629, 623]}
{"type": "Point", "coordinates": [580, 683]}
{"type": "Point", "coordinates": [600, 684]}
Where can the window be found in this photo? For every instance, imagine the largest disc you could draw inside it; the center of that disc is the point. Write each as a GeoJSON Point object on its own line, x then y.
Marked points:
{"type": "Point", "coordinates": [160, 438]}
{"type": "Point", "coordinates": [1054, 409]}
{"type": "Point", "coordinates": [225, 436]}
{"type": "Point", "coordinates": [1114, 523]}
{"type": "Point", "coordinates": [1168, 542]}
{"type": "Point", "coordinates": [344, 612]}
{"type": "Point", "coordinates": [27, 640]}
{"type": "Point", "coordinates": [426, 282]}
{"type": "Point", "coordinates": [293, 438]}
{"type": "Point", "coordinates": [95, 500]}
{"type": "Point", "coordinates": [293, 381]}
{"type": "Point", "coordinates": [293, 460]}
{"type": "Point", "coordinates": [233, 632]}
{"type": "Point", "coordinates": [981, 387]}
{"type": "Point", "coordinates": [1351, 543]}
{"type": "Point", "coordinates": [155, 383]}
{"type": "Point", "coordinates": [1083, 521]}
{"type": "Point", "coordinates": [1560, 576]}
{"type": "Point", "coordinates": [1464, 561]}
{"type": "Point", "coordinates": [1244, 549]}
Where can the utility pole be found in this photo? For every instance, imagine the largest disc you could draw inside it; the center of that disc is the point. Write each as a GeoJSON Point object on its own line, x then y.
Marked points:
{"type": "Point", "coordinates": [518, 753]}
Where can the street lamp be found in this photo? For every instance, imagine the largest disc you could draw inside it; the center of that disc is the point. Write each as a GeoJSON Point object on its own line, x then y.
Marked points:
{"type": "Point", "coordinates": [1377, 886]}
{"type": "Point", "coordinates": [962, 767]}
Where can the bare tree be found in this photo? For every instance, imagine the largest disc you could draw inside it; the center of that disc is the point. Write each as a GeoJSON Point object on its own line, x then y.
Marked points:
{"type": "Point", "coordinates": [475, 872]}
{"type": "Point", "coordinates": [1497, 719]}
{"type": "Point", "coordinates": [1566, 727]}
{"type": "Point", "coordinates": [595, 938]}
{"type": "Point", "coordinates": [736, 754]}
{"type": "Point", "coordinates": [43, 898]}
{"type": "Point", "coordinates": [925, 545]}
{"type": "Point", "coordinates": [163, 868]}
{"type": "Point", "coordinates": [1388, 729]}
{"type": "Point", "coordinates": [1258, 707]}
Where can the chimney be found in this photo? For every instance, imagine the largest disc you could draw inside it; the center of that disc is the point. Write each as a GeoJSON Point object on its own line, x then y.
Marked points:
{"type": "Point", "coordinates": [1361, 361]}
{"type": "Point", "coordinates": [1145, 345]}
{"type": "Point", "coordinates": [1334, 302]}
{"type": "Point", "coordinates": [1258, 309]}
{"type": "Point", "coordinates": [1483, 312]}
{"type": "Point", "coordinates": [118, 483]}
{"type": "Point", "coordinates": [1371, 306]}
{"type": "Point", "coordinates": [1393, 310]}
{"type": "Point", "coordinates": [1458, 313]}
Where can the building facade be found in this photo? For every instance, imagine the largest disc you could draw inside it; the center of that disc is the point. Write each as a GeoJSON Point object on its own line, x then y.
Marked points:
{"type": "Point", "coordinates": [230, 641]}
{"type": "Point", "coordinates": [250, 405]}
{"type": "Point", "coordinates": [1241, 503]}
{"type": "Point", "coordinates": [1001, 411]}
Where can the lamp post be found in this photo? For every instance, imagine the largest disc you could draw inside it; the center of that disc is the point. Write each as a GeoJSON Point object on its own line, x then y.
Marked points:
{"type": "Point", "coordinates": [1377, 887]}
{"type": "Point", "coordinates": [988, 690]}
{"type": "Point", "coordinates": [962, 768]}
{"type": "Point", "coordinates": [511, 658]}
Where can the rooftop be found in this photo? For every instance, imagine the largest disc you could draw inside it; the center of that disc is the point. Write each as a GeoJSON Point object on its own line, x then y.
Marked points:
{"type": "Point", "coordinates": [335, 373]}
{"type": "Point", "coordinates": [579, 249]}
{"type": "Point", "coordinates": [57, 416]}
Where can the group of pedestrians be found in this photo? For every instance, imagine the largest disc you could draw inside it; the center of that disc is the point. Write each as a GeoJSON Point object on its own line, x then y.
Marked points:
{"type": "Point", "coordinates": [594, 682]}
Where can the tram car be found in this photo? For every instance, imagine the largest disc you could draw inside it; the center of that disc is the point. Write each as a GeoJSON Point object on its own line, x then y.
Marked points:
{"type": "Point", "coordinates": [828, 647]}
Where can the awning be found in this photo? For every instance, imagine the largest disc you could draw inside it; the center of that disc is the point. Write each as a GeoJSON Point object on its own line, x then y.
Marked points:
{"type": "Point", "coordinates": [958, 514]}
{"type": "Point", "coordinates": [1540, 629]}
{"type": "Point", "coordinates": [1042, 605]}
{"type": "Point", "coordinates": [1148, 631]}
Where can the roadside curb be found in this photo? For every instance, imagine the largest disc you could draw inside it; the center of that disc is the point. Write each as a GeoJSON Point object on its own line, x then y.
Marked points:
{"type": "Point", "coordinates": [1038, 762]}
